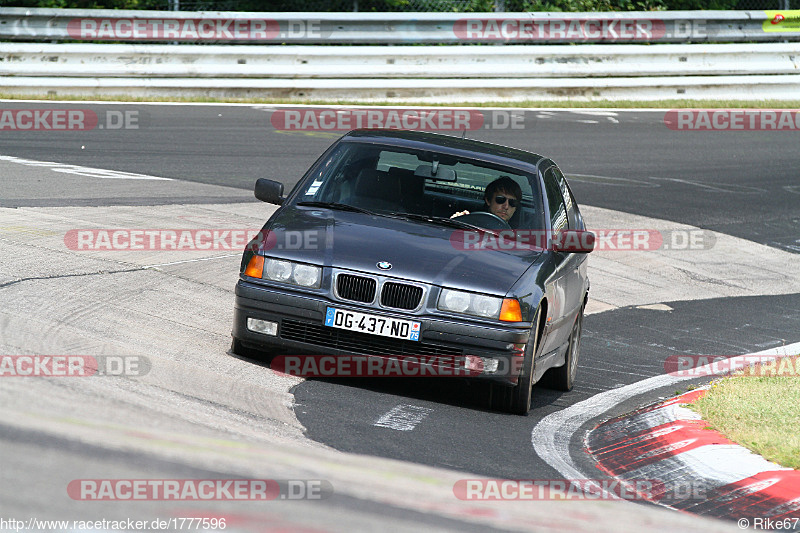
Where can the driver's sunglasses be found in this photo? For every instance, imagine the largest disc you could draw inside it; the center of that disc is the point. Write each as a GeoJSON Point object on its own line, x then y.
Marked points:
{"type": "Point", "coordinates": [500, 200]}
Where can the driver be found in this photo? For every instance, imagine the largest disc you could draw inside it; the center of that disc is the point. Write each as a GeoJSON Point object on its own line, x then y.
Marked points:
{"type": "Point", "coordinates": [502, 198]}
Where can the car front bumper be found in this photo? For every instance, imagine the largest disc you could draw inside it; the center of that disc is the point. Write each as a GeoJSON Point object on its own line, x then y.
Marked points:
{"type": "Point", "coordinates": [301, 331]}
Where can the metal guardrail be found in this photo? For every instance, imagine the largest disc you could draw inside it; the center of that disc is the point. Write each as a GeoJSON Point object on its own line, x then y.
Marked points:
{"type": "Point", "coordinates": [425, 91]}
{"type": "Point", "coordinates": [425, 74]}
{"type": "Point", "coordinates": [396, 62]}
{"type": "Point", "coordinates": [397, 28]}
{"type": "Point", "coordinates": [638, 70]}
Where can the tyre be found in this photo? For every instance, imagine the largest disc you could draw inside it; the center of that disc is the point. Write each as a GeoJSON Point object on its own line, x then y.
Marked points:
{"type": "Point", "coordinates": [517, 399]}
{"type": "Point", "coordinates": [563, 377]}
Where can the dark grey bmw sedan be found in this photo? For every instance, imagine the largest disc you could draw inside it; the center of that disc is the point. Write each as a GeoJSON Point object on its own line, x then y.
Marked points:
{"type": "Point", "coordinates": [401, 244]}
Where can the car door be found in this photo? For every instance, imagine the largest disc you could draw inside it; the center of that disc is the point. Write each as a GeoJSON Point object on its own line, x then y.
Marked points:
{"type": "Point", "coordinates": [565, 281]}
{"type": "Point", "coordinates": [578, 265]}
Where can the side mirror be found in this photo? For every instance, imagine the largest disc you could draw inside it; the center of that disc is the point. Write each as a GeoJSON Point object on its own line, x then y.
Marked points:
{"type": "Point", "coordinates": [269, 191]}
{"type": "Point", "coordinates": [573, 241]}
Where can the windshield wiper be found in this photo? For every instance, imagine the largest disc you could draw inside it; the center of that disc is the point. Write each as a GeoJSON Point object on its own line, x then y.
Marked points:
{"type": "Point", "coordinates": [442, 221]}
{"type": "Point", "coordinates": [336, 205]}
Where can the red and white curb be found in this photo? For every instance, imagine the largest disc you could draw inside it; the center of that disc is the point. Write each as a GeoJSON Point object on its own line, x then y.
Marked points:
{"type": "Point", "coordinates": [693, 468]}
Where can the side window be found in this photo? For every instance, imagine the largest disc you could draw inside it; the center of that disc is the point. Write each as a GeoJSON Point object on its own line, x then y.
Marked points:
{"type": "Point", "coordinates": [555, 201]}
{"type": "Point", "coordinates": [573, 216]}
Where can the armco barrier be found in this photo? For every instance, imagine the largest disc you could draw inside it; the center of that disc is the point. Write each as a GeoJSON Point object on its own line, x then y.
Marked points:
{"type": "Point", "coordinates": [433, 91]}
{"type": "Point", "coordinates": [337, 62]}
{"type": "Point", "coordinates": [536, 67]}
{"type": "Point", "coordinates": [398, 28]}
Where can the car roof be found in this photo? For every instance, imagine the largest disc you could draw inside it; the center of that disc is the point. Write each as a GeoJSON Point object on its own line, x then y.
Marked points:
{"type": "Point", "coordinates": [448, 144]}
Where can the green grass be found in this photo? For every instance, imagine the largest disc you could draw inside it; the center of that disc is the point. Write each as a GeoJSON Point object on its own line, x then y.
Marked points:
{"type": "Point", "coordinates": [568, 104]}
{"type": "Point", "coordinates": [759, 409]}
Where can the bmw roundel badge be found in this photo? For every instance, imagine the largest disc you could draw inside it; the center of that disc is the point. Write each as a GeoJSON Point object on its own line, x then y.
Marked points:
{"type": "Point", "coordinates": [384, 265]}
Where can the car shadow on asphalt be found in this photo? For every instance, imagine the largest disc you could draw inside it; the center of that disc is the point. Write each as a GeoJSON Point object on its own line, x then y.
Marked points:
{"type": "Point", "coordinates": [455, 391]}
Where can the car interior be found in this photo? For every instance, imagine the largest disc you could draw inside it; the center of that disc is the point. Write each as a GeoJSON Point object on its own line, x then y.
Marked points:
{"type": "Point", "coordinates": [437, 185]}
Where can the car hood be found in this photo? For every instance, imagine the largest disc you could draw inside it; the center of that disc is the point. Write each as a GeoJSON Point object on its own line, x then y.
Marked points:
{"type": "Point", "coordinates": [417, 251]}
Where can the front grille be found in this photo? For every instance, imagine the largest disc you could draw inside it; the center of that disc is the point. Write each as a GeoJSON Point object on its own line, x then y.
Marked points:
{"type": "Point", "coordinates": [359, 343]}
{"type": "Point", "coordinates": [356, 288]}
{"type": "Point", "coordinates": [400, 295]}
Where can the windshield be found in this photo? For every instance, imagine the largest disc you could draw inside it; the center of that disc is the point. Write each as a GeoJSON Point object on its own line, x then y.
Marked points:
{"type": "Point", "coordinates": [395, 180]}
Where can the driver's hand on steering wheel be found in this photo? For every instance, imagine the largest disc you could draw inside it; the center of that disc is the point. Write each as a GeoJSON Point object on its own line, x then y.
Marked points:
{"type": "Point", "coordinates": [459, 214]}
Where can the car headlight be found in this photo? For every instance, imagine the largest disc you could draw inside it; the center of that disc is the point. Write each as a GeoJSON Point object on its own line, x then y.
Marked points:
{"type": "Point", "coordinates": [469, 303]}
{"type": "Point", "coordinates": [286, 272]}
{"type": "Point", "coordinates": [277, 270]}
{"type": "Point", "coordinates": [307, 275]}
{"type": "Point", "coordinates": [455, 301]}
{"type": "Point", "coordinates": [486, 306]}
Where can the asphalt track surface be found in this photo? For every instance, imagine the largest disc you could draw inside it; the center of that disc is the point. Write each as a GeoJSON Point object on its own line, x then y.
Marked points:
{"type": "Point", "coordinates": [736, 182]}
{"type": "Point", "coordinates": [743, 184]}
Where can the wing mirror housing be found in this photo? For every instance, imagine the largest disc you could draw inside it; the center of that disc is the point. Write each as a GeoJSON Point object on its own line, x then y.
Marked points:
{"type": "Point", "coordinates": [269, 191]}
{"type": "Point", "coordinates": [574, 241]}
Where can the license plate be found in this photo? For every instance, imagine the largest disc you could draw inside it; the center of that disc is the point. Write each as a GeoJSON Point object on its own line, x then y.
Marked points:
{"type": "Point", "coordinates": [375, 324]}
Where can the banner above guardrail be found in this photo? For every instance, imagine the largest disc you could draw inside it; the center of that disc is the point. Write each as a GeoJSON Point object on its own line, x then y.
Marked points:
{"type": "Point", "coordinates": [397, 28]}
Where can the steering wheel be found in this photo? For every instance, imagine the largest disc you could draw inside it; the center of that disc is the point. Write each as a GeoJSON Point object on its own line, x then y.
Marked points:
{"type": "Point", "coordinates": [484, 219]}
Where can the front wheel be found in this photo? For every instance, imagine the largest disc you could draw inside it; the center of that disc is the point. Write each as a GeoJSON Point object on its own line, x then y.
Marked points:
{"type": "Point", "coordinates": [564, 376]}
{"type": "Point", "coordinates": [517, 399]}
